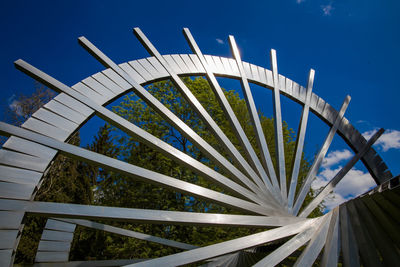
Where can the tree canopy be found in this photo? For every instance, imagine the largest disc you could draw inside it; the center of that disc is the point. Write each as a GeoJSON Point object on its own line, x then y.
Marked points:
{"type": "Point", "coordinates": [76, 182]}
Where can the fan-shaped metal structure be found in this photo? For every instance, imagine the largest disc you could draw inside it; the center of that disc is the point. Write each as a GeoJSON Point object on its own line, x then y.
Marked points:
{"type": "Point", "coordinates": [258, 188]}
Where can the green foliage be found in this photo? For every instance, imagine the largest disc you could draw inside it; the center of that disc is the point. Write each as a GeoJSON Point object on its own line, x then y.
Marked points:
{"type": "Point", "coordinates": [70, 181]}
{"type": "Point", "coordinates": [114, 189]}
{"type": "Point", "coordinates": [65, 181]}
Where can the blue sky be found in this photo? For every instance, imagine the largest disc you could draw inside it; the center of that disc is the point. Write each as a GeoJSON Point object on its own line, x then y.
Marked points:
{"type": "Point", "coordinates": [352, 45]}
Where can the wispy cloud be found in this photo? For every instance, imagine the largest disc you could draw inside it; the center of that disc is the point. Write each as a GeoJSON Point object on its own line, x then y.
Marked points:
{"type": "Point", "coordinates": [220, 41]}
{"type": "Point", "coordinates": [336, 157]}
{"type": "Point", "coordinates": [14, 105]}
{"type": "Point", "coordinates": [389, 139]}
{"type": "Point", "coordinates": [353, 184]}
{"type": "Point", "coordinates": [300, 1]}
{"type": "Point", "coordinates": [327, 9]}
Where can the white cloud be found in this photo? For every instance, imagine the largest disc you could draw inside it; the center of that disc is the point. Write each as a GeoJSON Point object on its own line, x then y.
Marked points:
{"type": "Point", "coordinates": [389, 139]}
{"type": "Point", "coordinates": [300, 1]}
{"type": "Point", "coordinates": [16, 107]}
{"type": "Point", "coordinates": [368, 134]}
{"type": "Point", "coordinates": [336, 157]}
{"type": "Point", "coordinates": [327, 9]}
{"type": "Point", "coordinates": [354, 183]}
{"type": "Point", "coordinates": [220, 41]}
{"type": "Point", "coordinates": [333, 200]}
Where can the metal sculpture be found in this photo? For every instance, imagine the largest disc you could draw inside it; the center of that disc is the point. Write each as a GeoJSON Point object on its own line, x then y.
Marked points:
{"type": "Point", "coordinates": [27, 154]}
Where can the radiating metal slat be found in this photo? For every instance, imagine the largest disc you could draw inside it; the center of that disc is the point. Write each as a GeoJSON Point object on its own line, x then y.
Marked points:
{"type": "Point", "coordinates": [50, 209]}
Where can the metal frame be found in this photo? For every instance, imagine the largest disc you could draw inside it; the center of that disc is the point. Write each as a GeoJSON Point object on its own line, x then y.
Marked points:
{"type": "Point", "coordinates": [257, 188]}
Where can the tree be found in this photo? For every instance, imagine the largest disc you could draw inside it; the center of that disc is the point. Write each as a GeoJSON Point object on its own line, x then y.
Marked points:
{"type": "Point", "coordinates": [23, 106]}
{"type": "Point", "coordinates": [116, 190]}
{"type": "Point", "coordinates": [65, 181]}
{"type": "Point", "coordinates": [71, 181]}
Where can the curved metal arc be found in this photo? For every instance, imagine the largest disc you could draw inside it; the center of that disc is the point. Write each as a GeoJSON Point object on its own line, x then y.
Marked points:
{"type": "Point", "coordinates": [102, 96]}
{"type": "Point", "coordinates": [319, 158]}
{"type": "Point", "coordinates": [340, 175]}
{"type": "Point", "coordinates": [137, 172]}
{"type": "Point", "coordinates": [255, 119]}
{"type": "Point", "coordinates": [300, 141]}
{"type": "Point", "coordinates": [173, 119]}
{"type": "Point", "coordinates": [140, 134]}
{"type": "Point", "coordinates": [235, 125]}
{"type": "Point", "coordinates": [200, 110]}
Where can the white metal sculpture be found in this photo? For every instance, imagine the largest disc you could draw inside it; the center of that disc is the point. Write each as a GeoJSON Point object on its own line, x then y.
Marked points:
{"type": "Point", "coordinates": [31, 148]}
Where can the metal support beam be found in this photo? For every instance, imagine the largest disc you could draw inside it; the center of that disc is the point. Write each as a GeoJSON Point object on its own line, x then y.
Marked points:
{"type": "Point", "coordinates": [145, 137]}
{"type": "Point", "coordinates": [339, 176]}
{"type": "Point", "coordinates": [279, 148]}
{"type": "Point", "coordinates": [319, 158]}
{"type": "Point", "coordinates": [200, 110]}
{"type": "Point", "coordinates": [301, 133]}
{"type": "Point", "coordinates": [230, 115]}
{"type": "Point", "coordinates": [204, 253]}
{"type": "Point", "coordinates": [129, 233]}
{"type": "Point", "coordinates": [255, 120]}
{"type": "Point", "coordinates": [136, 172]}
{"type": "Point", "coordinates": [88, 212]}
{"type": "Point", "coordinates": [169, 116]}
